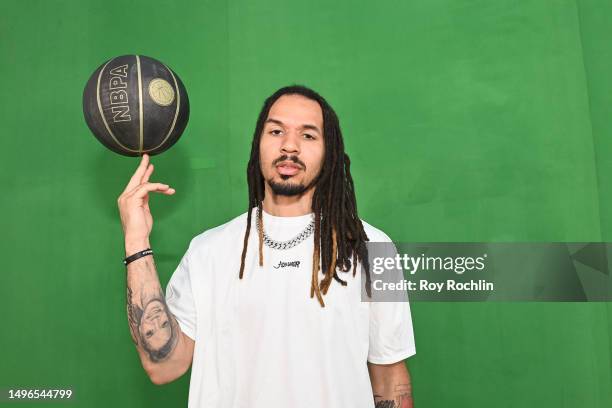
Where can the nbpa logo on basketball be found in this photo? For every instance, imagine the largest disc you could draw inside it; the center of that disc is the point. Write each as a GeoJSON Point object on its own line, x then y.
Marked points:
{"type": "Point", "coordinates": [118, 95]}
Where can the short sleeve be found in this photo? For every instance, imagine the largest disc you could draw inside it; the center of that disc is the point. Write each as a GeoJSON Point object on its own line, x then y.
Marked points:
{"type": "Point", "coordinates": [391, 336]}
{"type": "Point", "coordinates": [179, 297]}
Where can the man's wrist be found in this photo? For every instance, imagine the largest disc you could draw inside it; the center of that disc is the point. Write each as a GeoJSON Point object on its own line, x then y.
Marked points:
{"type": "Point", "coordinates": [133, 246]}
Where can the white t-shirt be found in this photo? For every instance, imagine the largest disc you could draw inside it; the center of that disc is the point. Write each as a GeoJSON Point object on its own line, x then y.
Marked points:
{"type": "Point", "coordinates": [263, 341]}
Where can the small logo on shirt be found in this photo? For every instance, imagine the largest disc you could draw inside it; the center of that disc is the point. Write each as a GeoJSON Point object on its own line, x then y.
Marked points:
{"type": "Point", "coordinates": [281, 264]}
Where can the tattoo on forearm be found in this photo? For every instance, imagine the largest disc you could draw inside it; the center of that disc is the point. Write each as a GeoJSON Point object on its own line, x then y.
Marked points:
{"type": "Point", "coordinates": [402, 398]}
{"type": "Point", "coordinates": [153, 327]}
{"type": "Point", "coordinates": [385, 404]}
{"type": "Point", "coordinates": [133, 315]}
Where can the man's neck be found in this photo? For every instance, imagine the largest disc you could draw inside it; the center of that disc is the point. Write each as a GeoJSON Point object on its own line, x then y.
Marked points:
{"type": "Point", "coordinates": [283, 206]}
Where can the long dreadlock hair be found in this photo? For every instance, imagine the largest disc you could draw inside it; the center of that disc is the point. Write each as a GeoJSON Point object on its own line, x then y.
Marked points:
{"type": "Point", "coordinates": [339, 236]}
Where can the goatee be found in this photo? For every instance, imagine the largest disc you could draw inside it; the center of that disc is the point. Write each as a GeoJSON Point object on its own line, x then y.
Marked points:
{"type": "Point", "coordinates": [286, 189]}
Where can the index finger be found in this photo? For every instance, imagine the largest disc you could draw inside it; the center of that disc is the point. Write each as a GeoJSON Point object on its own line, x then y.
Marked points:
{"type": "Point", "coordinates": [140, 171]}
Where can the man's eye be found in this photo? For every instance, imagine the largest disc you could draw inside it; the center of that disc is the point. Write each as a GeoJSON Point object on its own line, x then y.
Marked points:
{"type": "Point", "coordinates": [275, 130]}
{"type": "Point", "coordinates": [307, 136]}
{"type": "Point", "coordinates": [149, 334]}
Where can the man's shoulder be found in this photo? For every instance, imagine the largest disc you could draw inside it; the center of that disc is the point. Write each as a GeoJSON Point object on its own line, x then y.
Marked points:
{"type": "Point", "coordinates": [223, 234]}
{"type": "Point", "coordinates": [375, 234]}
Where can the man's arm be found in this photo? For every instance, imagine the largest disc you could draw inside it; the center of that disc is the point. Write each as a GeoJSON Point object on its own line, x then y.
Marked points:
{"type": "Point", "coordinates": [391, 385]}
{"type": "Point", "coordinates": [165, 351]}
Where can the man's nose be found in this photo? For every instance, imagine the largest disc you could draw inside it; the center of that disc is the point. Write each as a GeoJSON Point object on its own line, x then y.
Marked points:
{"type": "Point", "coordinates": [290, 143]}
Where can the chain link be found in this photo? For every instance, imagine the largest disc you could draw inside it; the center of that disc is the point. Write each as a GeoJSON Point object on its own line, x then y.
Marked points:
{"type": "Point", "coordinates": [290, 243]}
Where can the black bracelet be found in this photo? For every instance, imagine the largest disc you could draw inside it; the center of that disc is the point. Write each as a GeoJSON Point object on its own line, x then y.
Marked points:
{"type": "Point", "coordinates": [137, 255]}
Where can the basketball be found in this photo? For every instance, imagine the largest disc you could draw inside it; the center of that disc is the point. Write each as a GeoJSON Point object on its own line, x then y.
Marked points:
{"type": "Point", "coordinates": [135, 104]}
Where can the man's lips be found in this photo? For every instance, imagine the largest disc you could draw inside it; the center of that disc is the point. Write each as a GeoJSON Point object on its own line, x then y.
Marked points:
{"type": "Point", "coordinates": [287, 168]}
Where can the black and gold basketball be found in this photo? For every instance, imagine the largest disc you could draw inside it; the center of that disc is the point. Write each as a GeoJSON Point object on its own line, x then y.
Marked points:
{"type": "Point", "coordinates": [135, 104]}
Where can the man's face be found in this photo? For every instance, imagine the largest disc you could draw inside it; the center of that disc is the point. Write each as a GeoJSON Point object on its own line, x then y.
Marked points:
{"type": "Point", "coordinates": [155, 327]}
{"type": "Point", "coordinates": [292, 149]}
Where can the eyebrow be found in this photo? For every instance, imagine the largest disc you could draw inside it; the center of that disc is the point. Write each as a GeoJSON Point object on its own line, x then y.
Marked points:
{"type": "Point", "coordinates": [304, 126]}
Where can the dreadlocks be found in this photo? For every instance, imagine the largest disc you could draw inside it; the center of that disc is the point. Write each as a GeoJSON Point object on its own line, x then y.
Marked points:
{"type": "Point", "coordinates": [339, 237]}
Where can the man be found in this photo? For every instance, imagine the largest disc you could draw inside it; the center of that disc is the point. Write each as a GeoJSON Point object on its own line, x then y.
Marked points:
{"type": "Point", "coordinates": [268, 305]}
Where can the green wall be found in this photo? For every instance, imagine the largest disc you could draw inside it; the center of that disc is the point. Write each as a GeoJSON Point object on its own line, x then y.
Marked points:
{"type": "Point", "coordinates": [465, 121]}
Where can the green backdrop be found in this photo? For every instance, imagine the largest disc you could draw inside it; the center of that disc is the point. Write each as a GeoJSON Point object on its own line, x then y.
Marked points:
{"type": "Point", "coordinates": [465, 121]}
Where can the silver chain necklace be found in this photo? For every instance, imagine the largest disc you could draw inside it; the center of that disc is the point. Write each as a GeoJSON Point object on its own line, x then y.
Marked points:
{"type": "Point", "coordinates": [271, 243]}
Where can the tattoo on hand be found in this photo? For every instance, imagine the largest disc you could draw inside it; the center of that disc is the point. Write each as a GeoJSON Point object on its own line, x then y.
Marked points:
{"type": "Point", "coordinates": [153, 327]}
{"type": "Point", "coordinates": [402, 398]}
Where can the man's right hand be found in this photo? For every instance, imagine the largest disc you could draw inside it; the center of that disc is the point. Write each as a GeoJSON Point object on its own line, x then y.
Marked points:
{"type": "Point", "coordinates": [168, 352]}
{"type": "Point", "coordinates": [136, 218]}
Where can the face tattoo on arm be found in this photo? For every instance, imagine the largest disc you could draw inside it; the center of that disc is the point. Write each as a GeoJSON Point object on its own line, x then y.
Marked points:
{"type": "Point", "coordinates": [153, 328]}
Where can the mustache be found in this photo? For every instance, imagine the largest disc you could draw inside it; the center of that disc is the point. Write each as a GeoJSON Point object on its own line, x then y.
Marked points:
{"type": "Point", "coordinates": [285, 157]}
